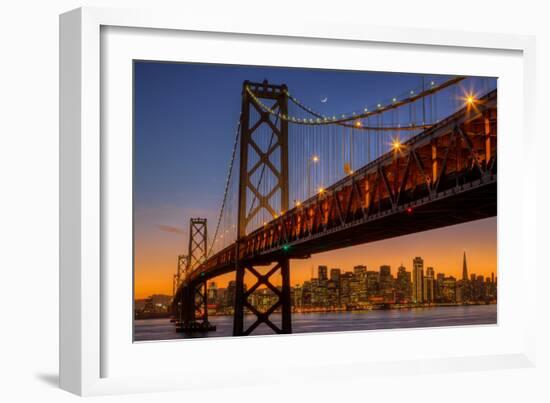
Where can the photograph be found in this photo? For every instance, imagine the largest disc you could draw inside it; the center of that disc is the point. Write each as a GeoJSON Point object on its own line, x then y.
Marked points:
{"type": "Point", "coordinates": [227, 201]}
{"type": "Point", "coordinates": [284, 200]}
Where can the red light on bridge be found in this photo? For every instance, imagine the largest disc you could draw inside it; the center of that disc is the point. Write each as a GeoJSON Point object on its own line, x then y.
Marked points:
{"type": "Point", "coordinates": [409, 210]}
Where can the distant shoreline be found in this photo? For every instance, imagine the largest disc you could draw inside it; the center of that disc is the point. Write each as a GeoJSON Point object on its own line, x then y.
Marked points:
{"type": "Point", "coordinates": [163, 315]}
{"type": "Point", "coordinates": [152, 315]}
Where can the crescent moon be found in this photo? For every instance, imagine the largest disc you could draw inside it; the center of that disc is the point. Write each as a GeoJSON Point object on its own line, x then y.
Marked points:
{"type": "Point", "coordinates": [324, 99]}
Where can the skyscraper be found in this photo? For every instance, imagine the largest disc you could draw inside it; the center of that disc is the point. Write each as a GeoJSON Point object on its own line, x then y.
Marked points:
{"type": "Point", "coordinates": [335, 276]}
{"type": "Point", "coordinates": [466, 286]}
{"type": "Point", "coordinates": [360, 274]}
{"type": "Point", "coordinates": [212, 293]}
{"type": "Point", "coordinates": [404, 282]}
{"type": "Point", "coordinates": [372, 283]}
{"type": "Point", "coordinates": [322, 272]}
{"type": "Point", "coordinates": [345, 291]}
{"type": "Point", "coordinates": [449, 289]}
{"type": "Point", "coordinates": [464, 268]}
{"type": "Point", "coordinates": [428, 292]}
{"type": "Point", "coordinates": [439, 287]}
{"type": "Point", "coordinates": [418, 279]}
{"type": "Point", "coordinates": [385, 279]}
{"type": "Point", "coordinates": [359, 270]}
{"type": "Point", "coordinates": [335, 280]}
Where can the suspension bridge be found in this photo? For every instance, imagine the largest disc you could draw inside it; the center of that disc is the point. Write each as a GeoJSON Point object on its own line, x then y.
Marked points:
{"type": "Point", "coordinates": [301, 182]}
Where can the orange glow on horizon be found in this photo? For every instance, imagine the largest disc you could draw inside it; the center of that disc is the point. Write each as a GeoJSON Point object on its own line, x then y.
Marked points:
{"type": "Point", "coordinates": [156, 256]}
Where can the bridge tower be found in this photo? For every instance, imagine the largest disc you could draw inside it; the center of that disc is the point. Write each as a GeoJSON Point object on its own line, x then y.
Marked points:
{"type": "Point", "coordinates": [177, 281]}
{"type": "Point", "coordinates": [194, 309]}
{"type": "Point", "coordinates": [182, 269]}
{"type": "Point", "coordinates": [198, 240]}
{"type": "Point", "coordinates": [275, 201]}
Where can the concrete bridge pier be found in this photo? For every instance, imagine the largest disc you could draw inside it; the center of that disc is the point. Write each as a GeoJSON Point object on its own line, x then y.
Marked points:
{"type": "Point", "coordinates": [193, 309]}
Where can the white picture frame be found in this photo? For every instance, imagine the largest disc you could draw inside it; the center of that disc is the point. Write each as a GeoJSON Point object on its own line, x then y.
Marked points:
{"type": "Point", "coordinates": [85, 300]}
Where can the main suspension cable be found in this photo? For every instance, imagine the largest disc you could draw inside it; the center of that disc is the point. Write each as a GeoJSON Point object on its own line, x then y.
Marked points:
{"type": "Point", "coordinates": [345, 119]}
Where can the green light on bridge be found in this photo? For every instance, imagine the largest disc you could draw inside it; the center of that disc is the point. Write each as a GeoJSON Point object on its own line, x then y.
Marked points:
{"type": "Point", "coordinates": [286, 248]}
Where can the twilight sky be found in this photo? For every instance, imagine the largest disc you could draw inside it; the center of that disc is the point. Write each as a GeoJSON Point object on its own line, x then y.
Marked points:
{"type": "Point", "coordinates": [184, 123]}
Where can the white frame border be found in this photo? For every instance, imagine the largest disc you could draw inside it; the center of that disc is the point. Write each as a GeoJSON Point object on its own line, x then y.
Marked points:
{"type": "Point", "coordinates": [80, 164]}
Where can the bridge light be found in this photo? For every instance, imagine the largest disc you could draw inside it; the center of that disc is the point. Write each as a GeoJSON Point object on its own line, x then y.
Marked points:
{"type": "Point", "coordinates": [470, 99]}
{"type": "Point", "coordinates": [298, 203]}
{"type": "Point", "coordinates": [286, 248]}
{"type": "Point", "coordinates": [315, 158]}
{"type": "Point", "coordinates": [358, 123]}
{"type": "Point", "coordinates": [396, 145]}
{"type": "Point", "coordinates": [321, 190]}
{"type": "Point", "coordinates": [409, 210]}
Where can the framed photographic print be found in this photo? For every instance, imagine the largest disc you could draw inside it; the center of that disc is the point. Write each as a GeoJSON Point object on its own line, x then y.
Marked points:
{"type": "Point", "coordinates": [299, 214]}
{"type": "Point", "coordinates": [265, 190]}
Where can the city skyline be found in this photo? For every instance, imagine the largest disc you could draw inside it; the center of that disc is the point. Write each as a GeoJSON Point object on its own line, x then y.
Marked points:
{"type": "Point", "coordinates": [362, 288]}
{"type": "Point", "coordinates": [481, 250]}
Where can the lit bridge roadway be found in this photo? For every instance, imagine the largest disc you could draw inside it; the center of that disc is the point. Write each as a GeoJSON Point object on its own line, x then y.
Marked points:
{"type": "Point", "coordinates": [445, 175]}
